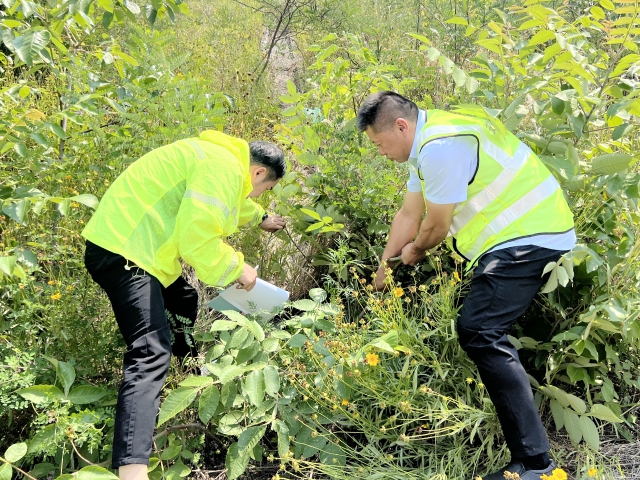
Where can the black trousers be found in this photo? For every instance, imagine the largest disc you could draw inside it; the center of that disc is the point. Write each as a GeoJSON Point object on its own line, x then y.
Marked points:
{"type": "Point", "coordinates": [148, 316]}
{"type": "Point", "coordinates": [503, 286]}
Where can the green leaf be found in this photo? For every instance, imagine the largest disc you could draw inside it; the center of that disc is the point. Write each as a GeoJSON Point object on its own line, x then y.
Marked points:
{"type": "Point", "coordinates": [271, 344]}
{"type": "Point", "coordinates": [15, 452]}
{"type": "Point", "coordinates": [283, 436]}
{"type": "Point", "coordinates": [208, 403]}
{"type": "Point", "coordinates": [250, 437]}
{"type": "Point", "coordinates": [332, 454]}
{"type": "Point", "coordinates": [291, 87]}
{"type": "Point", "coordinates": [196, 381]}
{"type": "Point", "coordinates": [590, 433]}
{"type": "Point", "coordinates": [177, 401]}
{"type": "Point", "coordinates": [56, 129]}
{"type": "Point", "coordinates": [87, 199]}
{"type": "Point", "coordinates": [297, 340]}
{"type": "Point", "coordinates": [236, 462]}
{"type": "Point", "coordinates": [41, 393]}
{"type": "Point", "coordinates": [558, 414]}
{"type": "Point", "coordinates": [610, 163]}
{"type": "Point", "coordinates": [573, 425]}
{"type": "Point", "coordinates": [603, 413]}
{"type": "Point", "coordinates": [108, 5]}
{"type": "Point", "coordinates": [255, 387]}
{"type": "Point", "coordinates": [225, 373]}
{"type": "Point", "coordinates": [318, 295]}
{"type": "Point", "coordinates": [94, 472]}
{"type": "Point", "coordinates": [271, 380]}
{"type": "Point", "coordinates": [305, 305]}
{"type": "Point", "coordinates": [17, 210]}
{"type": "Point", "coordinates": [313, 214]}
{"type": "Point", "coordinates": [457, 21]}
{"type": "Point", "coordinates": [42, 469]}
{"type": "Point", "coordinates": [29, 45]}
{"type": "Point", "coordinates": [86, 394]}
{"type": "Point", "coordinates": [171, 452]}
{"type": "Point", "coordinates": [6, 472]}
{"type": "Point", "coordinates": [621, 130]}
{"type": "Point", "coordinates": [66, 374]}
{"type": "Point", "coordinates": [223, 325]}
{"type": "Point", "coordinates": [576, 403]}
{"type": "Point", "coordinates": [132, 6]}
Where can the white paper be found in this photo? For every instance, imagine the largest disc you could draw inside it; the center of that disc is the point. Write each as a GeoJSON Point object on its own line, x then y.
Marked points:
{"type": "Point", "coordinates": [261, 300]}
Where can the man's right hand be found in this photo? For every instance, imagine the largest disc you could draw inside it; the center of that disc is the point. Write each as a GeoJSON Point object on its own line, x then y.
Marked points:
{"type": "Point", "coordinates": [378, 282]}
{"type": "Point", "coordinates": [248, 278]}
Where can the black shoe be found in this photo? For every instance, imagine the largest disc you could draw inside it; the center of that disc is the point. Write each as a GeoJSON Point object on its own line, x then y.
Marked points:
{"type": "Point", "coordinates": [522, 473]}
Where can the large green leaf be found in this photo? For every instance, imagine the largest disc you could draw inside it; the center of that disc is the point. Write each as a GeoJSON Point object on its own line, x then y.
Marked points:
{"type": "Point", "coordinates": [17, 211]}
{"type": "Point", "coordinates": [208, 403]}
{"type": "Point", "coordinates": [29, 45]}
{"type": "Point", "coordinates": [6, 472]}
{"type": "Point", "coordinates": [15, 452]}
{"type": "Point", "coordinates": [573, 425]}
{"type": "Point", "coordinates": [332, 454]}
{"type": "Point", "coordinates": [87, 199]}
{"type": "Point", "coordinates": [66, 375]}
{"type": "Point", "coordinates": [590, 432]}
{"type": "Point", "coordinates": [236, 462]}
{"type": "Point", "coordinates": [283, 437]}
{"type": "Point", "coordinates": [41, 393]}
{"type": "Point", "coordinates": [94, 472]}
{"type": "Point", "coordinates": [86, 394]}
{"type": "Point", "coordinates": [255, 387]}
{"type": "Point", "coordinates": [250, 437]}
{"type": "Point", "coordinates": [610, 163]}
{"type": "Point", "coordinates": [271, 380]}
{"type": "Point", "coordinates": [176, 402]}
{"type": "Point", "coordinates": [603, 413]}
{"type": "Point", "coordinates": [196, 381]}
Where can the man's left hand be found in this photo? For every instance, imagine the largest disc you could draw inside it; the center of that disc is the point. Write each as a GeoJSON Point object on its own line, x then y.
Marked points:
{"type": "Point", "coordinates": [273, 223]}
{"type": "Point", "coordinates": [412, 254]}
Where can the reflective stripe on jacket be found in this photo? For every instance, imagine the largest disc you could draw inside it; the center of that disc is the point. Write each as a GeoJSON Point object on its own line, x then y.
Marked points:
{"type": "Point", "coordinates": [512, 194]}
{"type": "Point", "coordinates": [179, 201]}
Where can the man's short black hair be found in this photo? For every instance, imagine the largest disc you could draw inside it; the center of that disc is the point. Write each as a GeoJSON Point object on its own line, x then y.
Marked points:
{"type": "Point", "coordinates": [270, 156]}
{"type": "Point", "coordinates": [381, 109]}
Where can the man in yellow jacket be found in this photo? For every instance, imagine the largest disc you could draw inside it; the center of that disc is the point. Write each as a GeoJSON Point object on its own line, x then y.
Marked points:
{"type": "Point", "coordinates": [504, 212]}
{"type": "Point", "coordinates": [176, 202]}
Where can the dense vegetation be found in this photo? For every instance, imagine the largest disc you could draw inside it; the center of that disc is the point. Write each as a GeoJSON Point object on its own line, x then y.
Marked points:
{"type": "Point", "coordinates": [345, 383]}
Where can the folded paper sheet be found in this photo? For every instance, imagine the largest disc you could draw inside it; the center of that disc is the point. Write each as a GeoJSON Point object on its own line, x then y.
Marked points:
{"type": "Point", "coordinates": [261, 300]}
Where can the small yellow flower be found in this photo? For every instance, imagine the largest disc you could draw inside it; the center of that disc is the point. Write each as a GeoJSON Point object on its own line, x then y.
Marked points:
{"type": "Point", "coordinates": [373, 359]}
{"type": "Point", "coordinates": [560, 474]}
{"type": "Point", "coordinates": [592, 472]}
{"type": "Point", "coordinates": [56, 296]}
{"type": "Point", "coordinates": [481, 385]}
{"type": "Point", "coordinates": [51, 282]}
{"type": "Point", "coordinates": [75, 204]}
{"type": "Point", "coordinates": [398, 292]}
{"type": "Point", "coordinates": [469, 380]}
{"type": "Point", "coordinates": [345, 402]}
{"type": "Point", "coordinates": [455, 274]}
{"type": "Point", "coordinates": [70, 287]}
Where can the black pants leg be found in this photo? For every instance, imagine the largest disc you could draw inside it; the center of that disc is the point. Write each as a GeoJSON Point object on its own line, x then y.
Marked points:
{"type": "Point", "coordinates": [139, 302]}
{"type": "Point", "coordinates": [503, 286]}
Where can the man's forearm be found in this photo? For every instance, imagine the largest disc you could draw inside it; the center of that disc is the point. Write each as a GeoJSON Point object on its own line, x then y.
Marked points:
{"type": "Point", "coordinates": [403, 229]}
{"type": "Point", "coordinates": [429, 236]}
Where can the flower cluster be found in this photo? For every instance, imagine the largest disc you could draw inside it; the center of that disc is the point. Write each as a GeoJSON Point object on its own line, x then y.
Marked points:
{"type": "Point", "coordinates": [557, 474]}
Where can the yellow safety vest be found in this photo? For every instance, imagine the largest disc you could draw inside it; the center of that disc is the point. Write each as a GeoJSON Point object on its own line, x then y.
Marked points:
{"type": "Point", "coordinates": [180, 201]}
{"type": "Point", "coordinates": [512, 194]}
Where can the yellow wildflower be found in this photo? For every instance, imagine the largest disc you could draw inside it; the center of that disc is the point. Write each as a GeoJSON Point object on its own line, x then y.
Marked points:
{"type": "Point", "coordinates": [469, 380]}
{"type": "Point", "coordinates": [51, 282]}
{"type": "Point", "coordinates": [592, 472]}
{"type": "Point", "coordinates": [70, 287]}
{"type": "Point", "coordinates": [373, 359]}
{"type": "Point", "coordinates": [345, 402]}
{"type": "Point", "coordinates": [455, 274]}
{"type": "Point", "coordinates": [398, 292]}
{"type": "Point", "coordinates": [559, 474]}
{"type": "Point", "coordinates": [56, 296]}
{"type": "Point", "coordinates": [75, 204]}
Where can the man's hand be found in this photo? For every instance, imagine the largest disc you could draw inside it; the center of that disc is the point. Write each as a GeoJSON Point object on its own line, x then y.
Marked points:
{"type": "Point", "coordinates": [378, 283]}
{"type": "Point", "coordinates": [248, 278]}
{"type": "Point", "coordinates": [412, 254]}
{"type": "Point", "coordinates": [273, 223]}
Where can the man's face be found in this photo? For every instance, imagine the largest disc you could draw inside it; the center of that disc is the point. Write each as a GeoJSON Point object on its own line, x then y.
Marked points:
{"type": "Point", "coordinates": [394, 143]}
{"type": "Point", "coordinates": [262, 187]}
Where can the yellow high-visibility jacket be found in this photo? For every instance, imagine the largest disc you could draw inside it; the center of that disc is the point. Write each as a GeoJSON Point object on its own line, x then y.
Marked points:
{"type": "Point", "coordinates": [180, 201]}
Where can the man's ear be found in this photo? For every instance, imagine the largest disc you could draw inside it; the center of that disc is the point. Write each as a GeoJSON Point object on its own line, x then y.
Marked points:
{"type": "Point", "coordinates": [260, 172]}
{"type": "Point", "coordinates": [402, 124]}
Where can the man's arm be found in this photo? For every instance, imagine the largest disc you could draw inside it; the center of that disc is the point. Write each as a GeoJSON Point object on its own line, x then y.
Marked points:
{"type": "Point", "coordinates": [433, 230]}
{"type": "Point", "coordinates": [403, 228]}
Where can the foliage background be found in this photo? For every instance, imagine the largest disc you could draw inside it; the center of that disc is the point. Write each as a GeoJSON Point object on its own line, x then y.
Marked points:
{"type": "Point", "coordinates": [346, 384]}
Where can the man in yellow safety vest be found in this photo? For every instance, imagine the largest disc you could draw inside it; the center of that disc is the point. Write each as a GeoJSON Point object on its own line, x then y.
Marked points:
{"type": "Point", "coordinates": [505, 213]}
{"type": "Point", "coordinates": [176, 202]}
